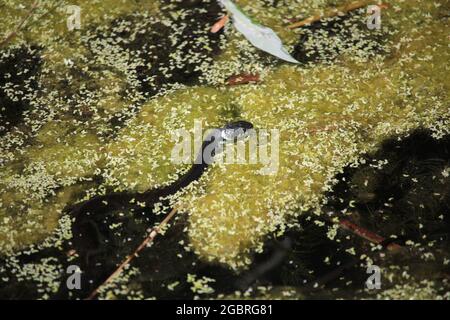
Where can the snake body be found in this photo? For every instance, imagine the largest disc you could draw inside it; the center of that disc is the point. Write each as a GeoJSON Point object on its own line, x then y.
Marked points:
{"type": "Point", "coordinates": [231, 132]}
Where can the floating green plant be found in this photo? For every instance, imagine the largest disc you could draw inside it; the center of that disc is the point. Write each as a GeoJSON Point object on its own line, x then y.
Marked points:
{"type": "Point", "coordinates": [101, 119]}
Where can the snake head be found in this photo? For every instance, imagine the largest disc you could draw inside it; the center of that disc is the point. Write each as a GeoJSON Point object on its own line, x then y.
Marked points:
{"type": "Point", "coordinates": [237, 130]}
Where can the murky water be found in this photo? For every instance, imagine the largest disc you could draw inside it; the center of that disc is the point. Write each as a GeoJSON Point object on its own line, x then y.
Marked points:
{"type": "Point", "coordinates": [86, 119]}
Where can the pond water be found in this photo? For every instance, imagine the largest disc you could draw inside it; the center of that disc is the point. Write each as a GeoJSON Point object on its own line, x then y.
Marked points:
{"type": "Point", "coordinates": [88, 117]}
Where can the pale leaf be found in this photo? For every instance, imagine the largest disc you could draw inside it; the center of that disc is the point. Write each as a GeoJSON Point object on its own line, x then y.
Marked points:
{"type": "Point", "coordinates": [260, 36]}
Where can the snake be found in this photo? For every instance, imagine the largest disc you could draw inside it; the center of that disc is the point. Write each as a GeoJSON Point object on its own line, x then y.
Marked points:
{"type": "Point", "coordinates": [211, 145]}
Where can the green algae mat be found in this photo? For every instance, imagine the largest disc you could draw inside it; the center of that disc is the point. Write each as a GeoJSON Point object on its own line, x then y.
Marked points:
{"type": "Point", "coordinates": [93, 92]}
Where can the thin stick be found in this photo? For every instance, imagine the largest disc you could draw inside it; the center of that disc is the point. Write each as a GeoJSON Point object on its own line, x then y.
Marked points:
{"type": "Point", "coordinates": [333, 12]}
{"type": "Point", "coordinates": [220, 24]}
{"type": "Point", "coordinates": [13, 33]}
{"type": "Point", "coordinates": [366, 234]}
{"type": "Point", "coordinates": [362, 233]}
{"type": "Point", "coordinates": [144, 244]}
{"type": "Point", "coordinates": [243, 78]}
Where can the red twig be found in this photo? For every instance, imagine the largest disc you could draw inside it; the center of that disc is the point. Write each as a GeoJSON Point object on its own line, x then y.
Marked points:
{"type": "Point", "coordinates": [220, 24]}
{"type": "Point", "coordinates": [243, 78]}
{"type": "Point", "coordinates": [366, 234]}
{"type": "Point", "coordinates": [144, 244]}
{"type": "Point", "coordinates": [360, 232]}
{"type": "Point", "coordinates": [13, 33]}
{"type": "Point", "coordinates": [335, 12]}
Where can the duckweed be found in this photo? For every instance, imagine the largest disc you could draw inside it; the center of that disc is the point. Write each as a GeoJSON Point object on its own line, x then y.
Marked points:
{"type": "Point", "coordinates": [99, 121]}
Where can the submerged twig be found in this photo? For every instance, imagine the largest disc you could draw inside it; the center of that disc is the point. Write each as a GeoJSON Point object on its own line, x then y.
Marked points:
{"type": "Point", "coordinates": [144, 244]}
{"type": "Point", "coordinates": [21, 24]}
{"type": "Point", "coordinates": [366, 234]}
{"type": "Point", "coordinates": [243, 78]}
{"type": "Point", "coordinates": [362, 233]}
{"type": "Point", "coordinates": [333, 12]}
